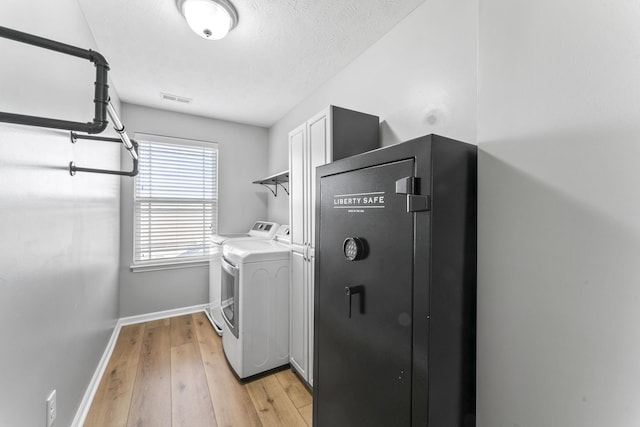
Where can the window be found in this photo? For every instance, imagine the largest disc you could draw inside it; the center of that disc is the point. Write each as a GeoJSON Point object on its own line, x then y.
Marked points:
{"type": "Point", "coordinates": [175, 200]}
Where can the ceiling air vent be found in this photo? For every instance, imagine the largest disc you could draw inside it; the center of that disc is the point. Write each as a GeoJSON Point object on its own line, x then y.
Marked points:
{"type": "Point", "coordinates": [175, 98]}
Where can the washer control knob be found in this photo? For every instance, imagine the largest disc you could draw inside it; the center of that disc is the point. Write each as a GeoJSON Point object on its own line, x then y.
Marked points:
{"type": "Point", "coordinates": [354, 248]}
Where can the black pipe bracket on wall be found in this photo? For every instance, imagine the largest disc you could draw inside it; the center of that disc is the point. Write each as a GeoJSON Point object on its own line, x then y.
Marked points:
{"type": "Point", "coordinates": [101, 102]}
{"type": "Point", "coordinates": [73, 168]}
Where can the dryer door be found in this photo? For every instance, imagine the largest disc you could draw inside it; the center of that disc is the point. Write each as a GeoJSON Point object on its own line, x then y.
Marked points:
{"type": "Point", "coordinates": [363, 299]}
{"type": "Point", "coordinates": [230, 295]}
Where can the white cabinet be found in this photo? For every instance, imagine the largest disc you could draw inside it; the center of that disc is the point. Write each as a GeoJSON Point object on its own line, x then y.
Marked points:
{"type": "Point", "coordinates": [332, 134]}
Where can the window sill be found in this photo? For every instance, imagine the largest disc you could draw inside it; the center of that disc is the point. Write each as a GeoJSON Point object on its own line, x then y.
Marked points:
{"type": "Point", "coordinates": [141, 268]}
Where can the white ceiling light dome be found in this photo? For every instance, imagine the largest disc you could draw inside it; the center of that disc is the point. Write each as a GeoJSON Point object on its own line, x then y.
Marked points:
{"type": "Point", "coordinates": [210, 19]}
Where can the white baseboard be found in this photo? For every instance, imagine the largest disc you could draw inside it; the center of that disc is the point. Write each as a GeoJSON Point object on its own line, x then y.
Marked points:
{"type": "Point", "coordinates": [148, 317]}
{"type": "Point", "coordinates": [90, 393]}
{"type": "Point", "coordinates": [83, 410]}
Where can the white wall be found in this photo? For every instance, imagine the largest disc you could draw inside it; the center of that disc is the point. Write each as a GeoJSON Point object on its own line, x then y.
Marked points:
{"type": "Point", "coordinates": [242, 151]}
{"type": "Point", "coordinates": [420, 78]}
{"type": "Point", "coordinates": [59, 234]}
{"type": "Point", "coordinates": [559, 213]}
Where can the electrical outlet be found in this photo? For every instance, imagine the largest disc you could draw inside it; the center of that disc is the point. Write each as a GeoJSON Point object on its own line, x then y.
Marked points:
{"type": "Point", "coordinates": [51, 408]}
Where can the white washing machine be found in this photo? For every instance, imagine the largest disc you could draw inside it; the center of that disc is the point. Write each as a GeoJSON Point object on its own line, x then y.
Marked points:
{"type": "Point", "coordinates": [260, 230]}
{"type": "Point", "coordinates": [255, 303]}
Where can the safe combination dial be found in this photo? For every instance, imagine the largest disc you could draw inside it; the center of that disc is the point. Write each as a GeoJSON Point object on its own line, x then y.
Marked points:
{"type": "Point", "coordinates": [354, 248]}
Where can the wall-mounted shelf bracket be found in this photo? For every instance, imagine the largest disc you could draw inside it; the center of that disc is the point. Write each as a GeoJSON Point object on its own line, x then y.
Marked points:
{"type": "Point", "coordinates": [133, 152]}
{"type": "Point", "coordinates": [275, 181]}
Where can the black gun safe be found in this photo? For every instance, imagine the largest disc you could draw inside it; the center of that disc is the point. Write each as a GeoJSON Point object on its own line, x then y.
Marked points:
{"type": "Point", "coordinates": [395, 287]}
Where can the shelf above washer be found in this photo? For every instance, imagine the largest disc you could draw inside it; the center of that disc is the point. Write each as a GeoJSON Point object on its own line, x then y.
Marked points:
{"type": "Point", "coordinates": [275, 180]}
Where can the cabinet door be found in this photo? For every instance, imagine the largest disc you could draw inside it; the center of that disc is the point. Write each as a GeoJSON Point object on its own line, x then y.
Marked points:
{"type": "Point", "coordinates": [297, 210]}
{"type": "Point", "coordinates": [318, 136]}
{"type": "Point", "coordinates": [298, 309]}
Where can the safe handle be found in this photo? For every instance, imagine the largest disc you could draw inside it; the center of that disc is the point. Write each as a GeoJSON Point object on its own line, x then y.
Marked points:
{"type": "Point", "coordinates": [354, 290]}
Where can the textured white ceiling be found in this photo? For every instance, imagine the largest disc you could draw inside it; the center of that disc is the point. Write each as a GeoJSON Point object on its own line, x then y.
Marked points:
{"type": "Point", "coordinates": [278, 54]}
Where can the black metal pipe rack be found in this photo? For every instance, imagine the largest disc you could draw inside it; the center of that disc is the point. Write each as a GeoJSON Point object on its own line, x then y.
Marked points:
{"type": "Point", "coordinates": [101, 102]}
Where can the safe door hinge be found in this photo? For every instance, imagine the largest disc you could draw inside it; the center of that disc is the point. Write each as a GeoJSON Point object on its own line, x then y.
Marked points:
{"type": "Point", "coordinates": [418, 203]}
{"type": "Point", "coordinates": [410, 185]}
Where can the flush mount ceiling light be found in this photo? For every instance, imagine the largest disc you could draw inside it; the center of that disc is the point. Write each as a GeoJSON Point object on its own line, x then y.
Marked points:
{"type": "Point", "coordinates": [210, 19]}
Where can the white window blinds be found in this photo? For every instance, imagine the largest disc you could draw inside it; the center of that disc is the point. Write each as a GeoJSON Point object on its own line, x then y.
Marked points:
{"type": "Point", "coordinates": [176, 200]}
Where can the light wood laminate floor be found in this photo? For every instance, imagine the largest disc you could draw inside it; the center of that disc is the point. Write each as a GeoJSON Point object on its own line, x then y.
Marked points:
{"type": "Point", "coordinates": [173, 372]}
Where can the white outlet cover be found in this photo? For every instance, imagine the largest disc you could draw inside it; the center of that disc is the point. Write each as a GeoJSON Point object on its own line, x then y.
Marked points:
{"type": "Point", "coordinates": [51, 408]}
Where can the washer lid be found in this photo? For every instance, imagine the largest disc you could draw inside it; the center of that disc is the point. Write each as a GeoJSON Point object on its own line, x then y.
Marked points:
{"type": "Point", "coordinates": [255, 251]}
{"type": "Point", "coordinates": [219, 239]}
{"type": "Point", "coordinates": [260, 230]}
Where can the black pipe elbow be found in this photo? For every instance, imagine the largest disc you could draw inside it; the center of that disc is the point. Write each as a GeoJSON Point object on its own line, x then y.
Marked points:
{"type": "Point", "coordinates": [98, 59]}
{"type": "Point", "coordinates": [97, 126]}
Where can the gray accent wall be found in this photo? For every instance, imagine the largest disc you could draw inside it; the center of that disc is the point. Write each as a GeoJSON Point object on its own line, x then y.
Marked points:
{"type": "Point", "coordinates": [419, 78]}
{"type": "Point", "coordinates": [559, 214]}
{"type": "Point", "coordinates": [242, 158]}
{"type": "Point", "coordinates": [59, 234]}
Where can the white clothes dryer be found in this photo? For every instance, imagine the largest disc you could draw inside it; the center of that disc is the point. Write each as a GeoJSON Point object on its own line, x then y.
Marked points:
{"type": "Point", "coordinates": [261, 230]}
{"type": "Point", "coordinates": [255, 304]}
